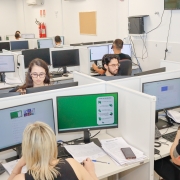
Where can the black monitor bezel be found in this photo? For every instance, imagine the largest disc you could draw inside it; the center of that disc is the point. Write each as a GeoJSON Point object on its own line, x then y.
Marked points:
{"type": "Point", "coordinates": [17, 42]}
{"type": "Point", "coordinates": [94, 128]}
{"type": "Point", "coordinates": [14, 63]}
{"type": "Point", "coordinates": [38, 89]}
{"type": "Point", "coordinates": [41, 49]}
{"type": "Point", "coordinates": [10, 147]}
{"type": "Point", "coordinates": [158, 110]}
{"type": "Point", "coordinates": [170, 8]}
{"type": "Point", "coordinates": [66, 65]}
{"type": "Point", "coordinates": [5, 42]}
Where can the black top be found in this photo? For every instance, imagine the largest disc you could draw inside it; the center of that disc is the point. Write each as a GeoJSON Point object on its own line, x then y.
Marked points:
{"type": "Point", "coordinates": [65, 170]}
{"type": "Point", "coordinates": [124, 56]}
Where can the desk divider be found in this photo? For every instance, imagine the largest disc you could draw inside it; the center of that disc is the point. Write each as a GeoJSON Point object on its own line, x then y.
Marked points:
{"type": "Point", "coordinates": [170, 65]}
{"type": "Point", "coordinates": [136, 114]}
{"type": "Point", "coordinates": [136, 122]}
{"type": "Point", "coordinates": [84, 79]}
{"type": "Point", "coordinates": [135, 83]}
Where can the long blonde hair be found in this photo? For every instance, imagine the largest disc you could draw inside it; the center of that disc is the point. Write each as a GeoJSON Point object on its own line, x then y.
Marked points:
{"type": "Point", "coordinates": [39, 148]}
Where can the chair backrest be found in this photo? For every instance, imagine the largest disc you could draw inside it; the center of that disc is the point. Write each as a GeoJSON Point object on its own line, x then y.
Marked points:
{"type": "Point", "coordinates": [125, 68]}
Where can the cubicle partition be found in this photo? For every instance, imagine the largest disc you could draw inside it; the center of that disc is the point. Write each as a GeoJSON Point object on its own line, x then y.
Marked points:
{"type": "Point", "coordinates": [170, 65]}
{"type": "Point", "coordinates": [136, 114]}
{"type": "Point", "coordinates": [135, 83]}
{"type": "Point", "coordinates": [131, 105]}
{"type": "Point", "coordinates": [84, 79]}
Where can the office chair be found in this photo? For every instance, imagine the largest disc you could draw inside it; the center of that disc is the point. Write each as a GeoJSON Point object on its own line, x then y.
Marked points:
{"type": "Point", "coordinates": [125, 68]}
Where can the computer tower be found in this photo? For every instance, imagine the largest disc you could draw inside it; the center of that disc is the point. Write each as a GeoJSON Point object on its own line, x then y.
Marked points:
{"type": "Point", "coordinates": [136, 25]}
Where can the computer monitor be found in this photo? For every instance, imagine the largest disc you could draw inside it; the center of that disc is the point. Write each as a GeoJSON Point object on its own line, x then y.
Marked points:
{"type": "Point", "coordinates": [4, 45]}
{"type": "Point", "coordinates": [45, 43]}
{"type": "Point", "coordinates": [65, 58]}
{"type": "Point", "coordinates": [167, 93]}
{"type": "Point", "coordinates": [7, 63]}
{"type": "Point", "coordinates": [28, 36]}
{"type": "Point", "coordinates": [18, 45]}
{"type": "Point", "coordinates": [50, 87]}
{"type": "Point", "coordinates": [31, 54]}
{"type": "Point", "coordinates": [16, 118]}
{"type": "Point", "coordinates": [87, 112]}
{"type": "Point", "coordinates": [100, 42]}
{"type": "Point", "coordinates": [126, 49]}
{"type": "Point", "coordinates": [153, 71]}
{"type": "Point", "coordinates": [3, 95]}
{"type": "Point", "coordinates": [62, 40]}
{"type": "Point", "coordinates": [97, 52]}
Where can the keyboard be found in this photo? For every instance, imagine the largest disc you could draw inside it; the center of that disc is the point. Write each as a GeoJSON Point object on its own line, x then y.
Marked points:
{"type": "Point", "coordinates": [2, 170]}
{"type": "Point", "coordinates": [62, 153]}
{"type": "Point", "coordinates": [170, 136]}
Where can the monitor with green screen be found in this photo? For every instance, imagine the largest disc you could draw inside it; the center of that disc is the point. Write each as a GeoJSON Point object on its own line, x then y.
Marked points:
{"type": "Point", "coordinates": [82, 112]}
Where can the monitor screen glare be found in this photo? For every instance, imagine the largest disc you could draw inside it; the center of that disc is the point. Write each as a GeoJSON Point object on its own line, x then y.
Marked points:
{"type": "Point", "coordinates": [7, 63]}
{"type": "Point", "coordinates": [97, 52]}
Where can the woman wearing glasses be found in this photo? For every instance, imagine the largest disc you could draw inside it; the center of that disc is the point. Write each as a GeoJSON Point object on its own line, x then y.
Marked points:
{"type": "Point", "coordinates": [37, 75]}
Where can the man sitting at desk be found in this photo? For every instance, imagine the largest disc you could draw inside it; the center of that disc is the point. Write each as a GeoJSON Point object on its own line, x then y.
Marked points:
{"type": "Point", "coordinates": [116, 47]}
{"type": "Point", "coordinates": [58, 41]}
{"type": "Point", "coordinates": [164, 167]}
{"type": "Point", "coordinates": [110, 64]}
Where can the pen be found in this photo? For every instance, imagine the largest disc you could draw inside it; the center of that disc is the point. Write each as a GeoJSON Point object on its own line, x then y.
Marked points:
{"type": "Point", "coordinates": [100, 161]}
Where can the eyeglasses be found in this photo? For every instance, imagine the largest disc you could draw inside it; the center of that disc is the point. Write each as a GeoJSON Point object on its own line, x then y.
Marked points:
{"type": "Point", "coordinates": [114, 65]}
{"type": "Point", "coordinates": [35, 75]}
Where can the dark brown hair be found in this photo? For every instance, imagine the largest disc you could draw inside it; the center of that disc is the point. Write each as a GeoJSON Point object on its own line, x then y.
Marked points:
{"type": "Point", "coordinates": [29, 81]}
{"type": "Point", "coordinates": [107, 59]}
{"type": "Point", "coordinates": [17, 36]}
{"type": "Point", "coordinates": [118, 43]}
{"type": "Point", "coordinates": [57, 39]}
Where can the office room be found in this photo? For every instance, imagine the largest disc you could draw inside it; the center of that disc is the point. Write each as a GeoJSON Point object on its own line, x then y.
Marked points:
{"type": "Point", "coordinates": [159, 42]}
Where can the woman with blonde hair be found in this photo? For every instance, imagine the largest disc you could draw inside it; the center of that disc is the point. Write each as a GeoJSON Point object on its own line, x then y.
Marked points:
{"type": "Point", "coordinates": [39, 154]}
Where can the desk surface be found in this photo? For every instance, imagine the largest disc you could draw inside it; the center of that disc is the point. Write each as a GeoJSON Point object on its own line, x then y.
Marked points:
{"type": "Point", "coordinates": [102, 170]}
{"type": "Point", "coordinates": [164, 148]}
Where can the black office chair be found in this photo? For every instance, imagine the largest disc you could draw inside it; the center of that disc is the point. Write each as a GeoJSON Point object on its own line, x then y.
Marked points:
{"type": "Point", "coordinates": [125, 68]}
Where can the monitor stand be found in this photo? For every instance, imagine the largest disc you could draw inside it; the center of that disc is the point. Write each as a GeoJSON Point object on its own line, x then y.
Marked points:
{"type": "Point", "coordinates": [162, 124]}
{"type": "Point", "coordinates": [87, 139]}
{"type": "Point", "coordinates": [19, 154]}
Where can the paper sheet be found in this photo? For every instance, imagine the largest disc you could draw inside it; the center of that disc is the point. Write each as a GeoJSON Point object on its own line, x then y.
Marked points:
{"type": "Point", "coordinates": [113, 148]}
{"type": "Point", "coordinates": [81, 152]}
{"type": "Point", "coordinates": [10, 166]}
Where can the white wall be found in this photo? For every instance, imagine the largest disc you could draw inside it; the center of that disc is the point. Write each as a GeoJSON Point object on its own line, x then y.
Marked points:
{"type": "Point", "coordinates": [156, 40]}
{"type": "Point", "coordinates": [106, 19]}
{"type": "Point", "coordinates": [8, 17]}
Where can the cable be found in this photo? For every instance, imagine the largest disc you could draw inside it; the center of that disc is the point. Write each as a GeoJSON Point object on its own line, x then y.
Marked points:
{"type": "Point", "coordinates": [166, 50]}
{"type": "Point", "coordinates": [95, 134]}
{"type": "Point", "coordinates": [134, 53]}
{"type": "Point", "coordinates": [158, 25]}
